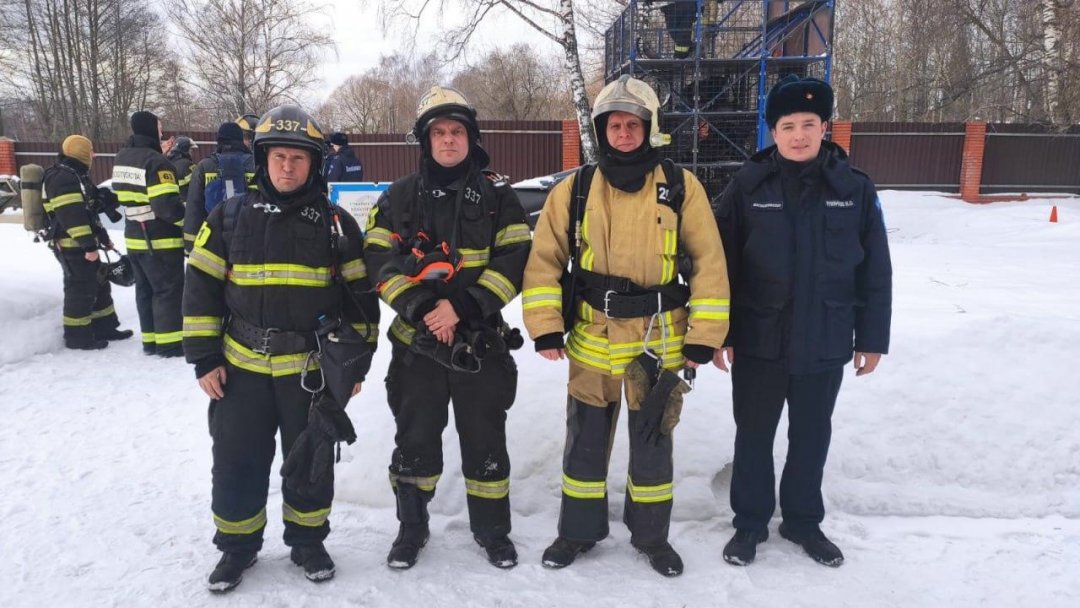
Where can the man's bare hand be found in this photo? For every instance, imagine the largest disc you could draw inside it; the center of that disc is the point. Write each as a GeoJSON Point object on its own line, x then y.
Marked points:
{"type": "Point", "coordinates": [552, 354]}
{"type": "Point", "coordinates": [718, 358]}
{"type": "Point", "coordinates": [866, 363]}
{"type": "Point", "coordinates": [213, 383]}
{"type": "Point", "coordinates": [442, 321]}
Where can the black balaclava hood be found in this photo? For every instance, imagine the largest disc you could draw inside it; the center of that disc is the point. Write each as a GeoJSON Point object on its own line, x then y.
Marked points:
{"type": "Point", "coordinates": [625, 170]}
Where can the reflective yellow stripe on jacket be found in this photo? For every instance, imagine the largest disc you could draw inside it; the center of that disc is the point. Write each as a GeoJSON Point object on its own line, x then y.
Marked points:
{"type": "Point", "coordinates": [292, 275]}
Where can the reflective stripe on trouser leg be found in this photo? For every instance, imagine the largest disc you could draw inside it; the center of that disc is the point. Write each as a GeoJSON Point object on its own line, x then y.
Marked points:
{"type": "Point", "coordinates": [480, 404]}
{"type": "Point", "coordinates": [306, 515]}
{"type": "Point", "coordinates": [243, 425]}
{"type": "Point", "coordinates": [144, 295]}
{"type": "Point", "coordinates": [80, 290]}
{"type": "Point", "coordinates": [584, 513]}
{"type": "Point", "coordinates": [647, 508]}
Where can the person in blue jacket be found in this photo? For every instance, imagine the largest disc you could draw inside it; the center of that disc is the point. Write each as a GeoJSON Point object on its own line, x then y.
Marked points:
{"type": "Point", "coordinates": [811, 289]}
{"type": "Point", "coordinates": [343, 166]}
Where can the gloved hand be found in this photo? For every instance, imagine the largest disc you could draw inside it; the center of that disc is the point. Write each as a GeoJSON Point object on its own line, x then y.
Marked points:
{"type": "Point", "coordinates": [309, 468]}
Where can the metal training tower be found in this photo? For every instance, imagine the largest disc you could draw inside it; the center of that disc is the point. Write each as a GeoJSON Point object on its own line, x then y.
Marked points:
{"type": "Point", "coordinates": [712, 62]}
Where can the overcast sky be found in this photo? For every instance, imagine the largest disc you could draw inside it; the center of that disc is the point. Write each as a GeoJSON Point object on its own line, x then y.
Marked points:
{"type": "Point", "coordinates": [360, 40]}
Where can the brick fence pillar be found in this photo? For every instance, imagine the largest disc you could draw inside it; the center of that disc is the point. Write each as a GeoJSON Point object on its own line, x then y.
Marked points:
{"type": "Point", "coordinates": [972, 161]}
{"type": "Point", "coordinates": [841, 134]}
{"type": "Point", "coordinates": [7, 157]}
{"type": "Point", "coordinates": [571, 144]}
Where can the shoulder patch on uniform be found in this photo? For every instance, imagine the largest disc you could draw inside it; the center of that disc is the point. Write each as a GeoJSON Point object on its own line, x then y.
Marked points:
{"type": "Point", "coordinates": [166, 177]}
{"type": "Point", "coordinates": [203, 236]}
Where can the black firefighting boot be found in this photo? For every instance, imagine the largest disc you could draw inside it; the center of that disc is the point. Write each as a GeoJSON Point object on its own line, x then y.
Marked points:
{"type": "Point", "coordinates": [500, 551]}
{"type": "Point", "coordinates": [230, 571]}
{"type": "Point", "coordinates": [662, 558]}
{"type": "Point", "coordinates": [168, 352]}
{"type": "Point", "coordinates": [563, 551]}
{"type": "Point", "coordinates": [742, 548]}
{"type": "Point", "coordinates": [815, 543]}
{"type": "Point", "coordinates": [316, 562]}
{"type": "Point", "coordinates": [113, 334]}
{"type": "Point", "coordinates": [413, 533]}
{"type": "Point", "coordinates": [85, 342]}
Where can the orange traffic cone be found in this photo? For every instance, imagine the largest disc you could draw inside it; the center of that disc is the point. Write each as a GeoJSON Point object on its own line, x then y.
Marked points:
{"type": "Point", "coordinates": [1053, 215]}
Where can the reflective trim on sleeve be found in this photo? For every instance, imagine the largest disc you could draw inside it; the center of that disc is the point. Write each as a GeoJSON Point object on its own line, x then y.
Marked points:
{"type": "Point", "coordinates": [207, 262]}
{"type": "Point", "coordinates": [64, 200]}
{"type": "Point", "coordinates": [492, 490]}
{"type": "Point", "coordinates": [541, 297]}
{"type": "Point", "coordinates": [380, 237]}
{"type": "Point", "coordinates": [402, 330]}
{"type": "Point", "coordinates": [589, 490]}
{"type": "Point", "coordinates": [76, 232]}
{"type": "Point", "coordinates": [130, 198]}
{"type": "Point", "coordinates": [497, 284]}
{"type": "Point", "coordinates": [244, 526]}
{"type": "Point", "coordinates": [514, 233]}
{"type": "Point", "coordinates": [426, 484]}
{"type": "Point", "coordinates": [354, 270]}
{"type": "Point", "coordinates": [371, 330]}
{"type": "Point", "coordinates": [310, 519]}
{"type": "Point", "coordinates": [202, 327]}
{"type": "Point", "coordinates": [710, 308]}
{"type": "Point", "coordinates": [393, 287]}
{"type": "Point", "coordinates": [648, 494]}
{"type": "Point", "coordinates": [161, 190]}
{"type": "Point", "coordinates": [474, 258]}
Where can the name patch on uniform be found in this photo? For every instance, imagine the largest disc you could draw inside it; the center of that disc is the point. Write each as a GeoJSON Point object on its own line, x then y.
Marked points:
{"type": "Point", "coordinates": [839, 204]}
{"type": "Point", "coordinates": [310, 214]}
{"type": "Point", "coordinates": [129, 175]}
{"type": "Point", "coordinates": [768, 206]}
{"type": "Point", "coordinates": [663, 193]}
{"type": "Point", "coordinates": [166, 177]}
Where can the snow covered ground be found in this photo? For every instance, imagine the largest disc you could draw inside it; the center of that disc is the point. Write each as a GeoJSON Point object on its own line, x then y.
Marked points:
{"type": "Point", "coordinates": [954, 477]}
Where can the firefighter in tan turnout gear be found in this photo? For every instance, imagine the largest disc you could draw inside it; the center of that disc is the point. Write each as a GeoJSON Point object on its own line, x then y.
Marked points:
{"type": "Point", "coordinates": [448, 245]}
{"type": "Point", "coordinates": [636, 225]}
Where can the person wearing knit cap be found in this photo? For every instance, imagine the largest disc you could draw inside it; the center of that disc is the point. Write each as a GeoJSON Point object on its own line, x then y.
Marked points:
{"type": "Point", "coordinates": [342, 164]}
{"type": "Point", "coordinates": [180, 157]}
{"type": "Point", "coordinates": [90, 320]}
{"type": "Point", "coordinates": [209, 187]}
{"type": "Point", "coordinates": [448, 245]}
{"type": "Point", "coordinates": [637, 223]}
{"type": "Point", "coordinates": [145, 183]}
{"type": "Point", "coordinates": [812, 284]}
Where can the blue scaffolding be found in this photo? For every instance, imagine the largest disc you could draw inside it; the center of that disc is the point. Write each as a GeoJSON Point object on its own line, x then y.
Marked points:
{"type": "Point", "coordinates": [712, 62]}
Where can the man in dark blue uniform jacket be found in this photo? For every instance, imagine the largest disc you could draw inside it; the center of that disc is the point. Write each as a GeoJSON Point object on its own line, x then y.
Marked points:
{"type": "Point", "coordinates": [811, 286]}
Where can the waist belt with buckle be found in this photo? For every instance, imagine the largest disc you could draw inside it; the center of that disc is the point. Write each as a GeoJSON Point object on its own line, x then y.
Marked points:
{"type": "Point", "coordinates": [621, 298]}
{"type": "Point", "coordinates": [271, 341]}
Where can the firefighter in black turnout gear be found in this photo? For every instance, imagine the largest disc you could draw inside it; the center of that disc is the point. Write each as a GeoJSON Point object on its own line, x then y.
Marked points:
{"type": "Point", "coordinates": [211, 185]}
{"type": "Point", "coordinates": [811, 284]}
{"type": "Point", "coordinates": [271, 270]}
{"type": "Point", "coordinates": [180, 157]}
{"type": "Point", "coordinates": [145, 184]}
{"type": "Point", "coordinates": [448, 245]}
{"type": "Point", "coordinates": [75, 235]}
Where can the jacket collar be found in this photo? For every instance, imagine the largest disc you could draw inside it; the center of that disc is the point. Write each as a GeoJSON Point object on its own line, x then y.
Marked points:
{"type": "Point", "coordinates": [835, 168]}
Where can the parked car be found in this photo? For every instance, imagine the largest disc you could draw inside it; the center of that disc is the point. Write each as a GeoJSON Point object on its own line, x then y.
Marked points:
{"type": "Point", "coordinates": [533, 192]}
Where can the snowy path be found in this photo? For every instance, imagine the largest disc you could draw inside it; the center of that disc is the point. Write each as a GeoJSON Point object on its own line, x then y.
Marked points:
{"type": "Point", "coordinates": [954, 476]}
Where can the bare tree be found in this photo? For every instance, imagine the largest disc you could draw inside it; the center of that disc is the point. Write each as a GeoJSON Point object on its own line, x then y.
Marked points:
{"type": "Point", "coordinates": [554, 19]}
{"type": "Point", "coordinates": [81, 65]}
{"type": "Point", "coordinates": [249, 55]}
{"type": "Point", "coordinates": [516, 84]}
{"type": "Point", "coordinates": [382, 99]}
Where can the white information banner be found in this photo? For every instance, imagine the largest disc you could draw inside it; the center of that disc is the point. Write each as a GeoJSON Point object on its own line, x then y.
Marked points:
{"type": "Point", "coordinates": [357, 197]}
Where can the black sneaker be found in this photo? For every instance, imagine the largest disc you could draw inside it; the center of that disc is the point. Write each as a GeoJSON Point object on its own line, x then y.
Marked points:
{"type": "Point", "coordinates": [815, 543]}
{"type": "Point", "coordinates": [662, 558]}
{"type": "Point", "coordinates": [407, 545]}
{"type": "Point", "coordinates": [500, 551]}
{"type": "Point", "coordinates": [230, 571]}
{"type": "Point", "coordinates": [563, 551]}
{"type": "Point", "coordinates": [742, 548]}
{"type": "Point", "coordinates": [86, 344]}
{"type": "Point", "coordinates": [114, 334]}
{"type": "Point", "coordinates": [316, 562]}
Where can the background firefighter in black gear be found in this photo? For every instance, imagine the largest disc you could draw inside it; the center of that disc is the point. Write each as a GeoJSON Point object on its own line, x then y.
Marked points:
{"type": "Point", "coordinates": [342, 165]}
{"type": "Point", "coordinates": [680, 19]}
{"type": "Point", "coordinates": [73, 203]}
{"type": "Point", "coordinates": [145, 183]}
{"type": "Point", "coordinates": [450, 343]}
{"type": "Point", "coordinates": [180, 157]}
{"type": "Point", "coordinates": [247, 124]}
{"type": "Point", "coordinates": [269, 268]}
{"type": "Point", "coordinates": [231, 151]}
{"type": "Point", "coordinates": [810, 270]}
{"type": "Point", "coordinates": [633, 323]}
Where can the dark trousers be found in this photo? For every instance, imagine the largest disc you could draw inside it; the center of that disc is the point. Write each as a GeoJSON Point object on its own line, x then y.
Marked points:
{"type": "Point", "coordinates": [243, 425]}
{"type": "Point", "coordinates": [584, 513]}
{"type": "Point", "coordinates": [759, 390]}
{"type": "Point", "coordinates": [159, 288]}
{"type": "Point", "coordinates": [419, 391]}
{"type": "Point", "coordinates": [88, 303]}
